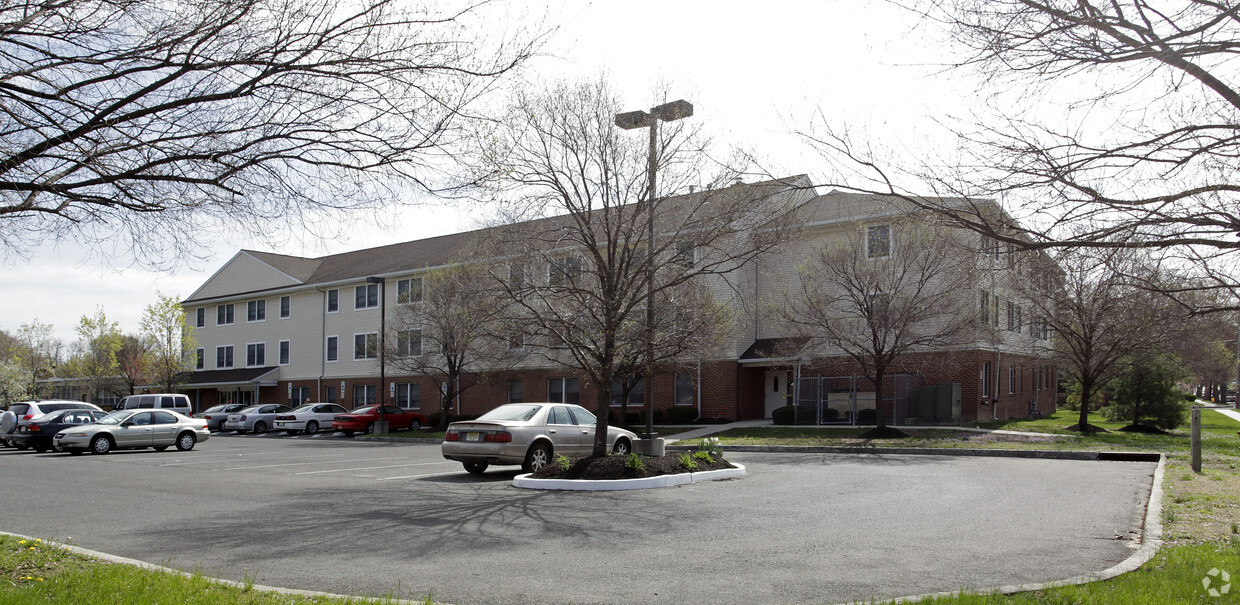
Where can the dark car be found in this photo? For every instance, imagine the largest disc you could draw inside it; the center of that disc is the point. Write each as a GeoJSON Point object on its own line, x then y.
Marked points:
{"type": "Point", "coordinates": [362, 420]}
{"type": "Point", "coordinates": [21, 413]}
{"type": "Point", "coordinates": [38, 433]}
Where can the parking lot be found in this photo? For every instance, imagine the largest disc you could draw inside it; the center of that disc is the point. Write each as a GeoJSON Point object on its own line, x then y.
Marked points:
{"type": "Point", "coordinates": [350, 517]}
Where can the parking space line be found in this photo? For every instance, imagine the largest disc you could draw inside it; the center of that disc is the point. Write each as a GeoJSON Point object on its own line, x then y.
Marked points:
{"type": "Point", "coordinates": [243, 468]}
{"type": "Point", "coordinates": [222, 458]}
{"type": "Point", "coordinates": [368, 468]}
{"type": "Point", "coordinates": [419, 476]}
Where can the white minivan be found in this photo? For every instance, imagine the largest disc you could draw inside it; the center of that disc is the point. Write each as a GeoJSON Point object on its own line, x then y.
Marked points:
{"type": "Point", "coordinates": [173, 402]}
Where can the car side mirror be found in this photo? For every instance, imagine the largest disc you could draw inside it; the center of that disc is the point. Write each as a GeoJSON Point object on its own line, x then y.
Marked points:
{"type": "Point", "coordinates": [127, 424]}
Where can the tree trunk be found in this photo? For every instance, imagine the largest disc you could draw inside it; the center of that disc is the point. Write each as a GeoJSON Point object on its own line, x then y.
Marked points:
{"type": "Point", "coordinates": [602, 398]}
{"type": "Point", "coordinates": [879, 420]}
{"type": "Point", "coordinates": [1087, 387]}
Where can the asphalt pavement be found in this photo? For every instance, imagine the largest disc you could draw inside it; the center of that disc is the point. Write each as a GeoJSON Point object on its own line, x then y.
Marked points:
{"type": "Point", "coordinates": [396, 519]}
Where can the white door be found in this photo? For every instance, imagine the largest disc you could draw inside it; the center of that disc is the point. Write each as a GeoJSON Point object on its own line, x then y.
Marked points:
{"type": "Point", "coordinates": [776, 388]}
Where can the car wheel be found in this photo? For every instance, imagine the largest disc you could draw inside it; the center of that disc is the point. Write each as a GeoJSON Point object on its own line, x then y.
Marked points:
{"type": "Point", "coordinates": [42, 449]}
{"type": "Point", "coordinates": [312, 427]}
{"type": "Point", "coordinates": [370, 428]}
{"type": "Point", "coordinates": [538, 457]}
{"type": "Point", "coordinates": [186, 441]}
{"type": "Point", "coordinates": [160, 448]}
{"type": "Point", "coordinates": [622, 447]}
{"type": "Point", "coordinates": [21, 446]}
{"type": "Point", "coordinates": [475, 468]}
{"type": "Point", "coordinates": [101, 444]}
{"type": "Point", "coordinates": [347, 433]}
{"type": "Point", "coordinates": [260, 427]}
{"type": "Point", "coordinates": [416, 425]}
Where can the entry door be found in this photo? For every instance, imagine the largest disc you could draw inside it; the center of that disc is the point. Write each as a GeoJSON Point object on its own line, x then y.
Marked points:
{"type": "Point", "coordinates": [777, 390]}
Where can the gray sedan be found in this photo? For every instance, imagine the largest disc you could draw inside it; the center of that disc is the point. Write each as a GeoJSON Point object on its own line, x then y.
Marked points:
{"type": "Point", "coordinates": [309, 418]}
{"type": "Point", "coordinates": [529, 434]}
{"type": "Point", "coordinates": [257, 418]}
{"type": "Point", "coordinates": [133, 429]}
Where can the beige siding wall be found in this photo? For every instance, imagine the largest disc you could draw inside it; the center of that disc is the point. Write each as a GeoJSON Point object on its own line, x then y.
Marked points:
{"type": "Point", "coordinates": [243, 273]}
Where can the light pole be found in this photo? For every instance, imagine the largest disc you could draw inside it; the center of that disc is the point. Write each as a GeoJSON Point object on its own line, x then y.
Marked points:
{"type": "Point", "coordinates": [380, 398]}
{"type": "Point", "coordinates": [631, 120]}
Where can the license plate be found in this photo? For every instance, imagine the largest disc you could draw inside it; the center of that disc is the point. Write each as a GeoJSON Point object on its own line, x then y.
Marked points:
{"type": "Point", "coordinates": [473, 436]}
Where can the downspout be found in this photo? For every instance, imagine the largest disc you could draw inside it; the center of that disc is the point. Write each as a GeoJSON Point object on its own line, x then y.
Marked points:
{"type": "Point", "coordinates": [318, 382]}
{"type": "Point", "coordinates": [699, 388]}
{"type": "Point", "coordinates": [994, 400]}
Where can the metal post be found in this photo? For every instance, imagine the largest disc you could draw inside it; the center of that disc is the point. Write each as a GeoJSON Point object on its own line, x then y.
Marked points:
{"type": "Point", "coordinates": [1196, 437]}
{"type": "Point", "coordinates": [381, 425]}
{"type": "Point", "coordinates": [651, 168]}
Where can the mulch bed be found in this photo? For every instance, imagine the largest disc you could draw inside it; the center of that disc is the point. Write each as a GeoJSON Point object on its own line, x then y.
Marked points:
{"type": "Point", "coordinates": [613, 467]}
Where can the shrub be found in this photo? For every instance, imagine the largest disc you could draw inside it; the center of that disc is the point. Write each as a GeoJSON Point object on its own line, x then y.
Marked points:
{"type": "Point", "coordinates": [867, 416]}
{"type": "Point", "coordinates": [1146, 394]}
{"type": "Point", "coordinates": [634, 463]}
{"type": "Point", "coordinates": [680, 414]}
{"type": "Point", "coordinates": [711, 446]}
{"type": "Point", "coordinates": [701, 455]}
{"type": "Point", "coordinates": [784, 415]}
{"type": "Point", "coordinates": [564, 462]}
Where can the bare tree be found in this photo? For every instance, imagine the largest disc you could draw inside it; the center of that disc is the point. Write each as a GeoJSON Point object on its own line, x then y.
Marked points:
{"type": "Point", "coordinates": [579, 243]}
{"type": "Point", "coordinates": [144, 123]}
{"type": "Point", "coordinates": [1105, 124]}
{"type": "Point", "coordinates": [450, 326]}
{"type": "Point", "coordinates": [1098, 317]}
{"type": "Point", "coordinates": [877, 296]}
{"type": "Point", "coordinates": [37, 355]}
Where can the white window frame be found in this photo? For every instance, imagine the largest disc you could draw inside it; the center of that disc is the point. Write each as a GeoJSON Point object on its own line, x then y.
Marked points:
{"type": "Point", "coordinates": [286, 352]}
{"type": "Point", "coordinates": [286, 307]}
{"type": "Point", "coordinates": [229, 357]}
{"type": "Point", "coordinates": [200, 359]}
{"type": "Point", "coordinates": [256, 310]}
{"type": "Point", "coordinates": [333, 292]}
{"type": "Point", "coordinates": [407, 390]}
{"type": "Point", "coordinates": [869, 241]}
{"type": "Point", "coordinates": [405, 286]}
{"type": "Point", "coordinates": [366, 301]}
{"type": "Point", "coordinates": [256, 347]}
{"type": "Point", "coordinates": [1011, 379]}
{"type": "Point", "coordinates": [229, 312]}
{"type": "Point", "coordinates": [327, 349]}
{"type": "Point", "coordinates": [366, 346]}
{"type": "Point", "coordinates": [200, 317]}
{"type": "Point", "coordinates": [404, 340]}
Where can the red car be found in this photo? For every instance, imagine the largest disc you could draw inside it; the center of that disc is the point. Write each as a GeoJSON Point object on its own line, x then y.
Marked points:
{"type": "Point", "coordinates": [362, 420]}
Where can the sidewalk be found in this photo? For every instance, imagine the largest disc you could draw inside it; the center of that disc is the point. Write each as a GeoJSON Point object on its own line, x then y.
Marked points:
{"type": "Point", "coordinates": [711, 429]}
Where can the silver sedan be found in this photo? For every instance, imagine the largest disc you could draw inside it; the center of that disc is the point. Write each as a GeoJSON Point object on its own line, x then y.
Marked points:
{"type": "Point", "coordinates": [529, 434]}
{"type": "Point", "coordinates": [257, 418]}
{"type": "Point", "coordinates": [309, 418]}
{"type": "Point", "coordinates": [133, 429]}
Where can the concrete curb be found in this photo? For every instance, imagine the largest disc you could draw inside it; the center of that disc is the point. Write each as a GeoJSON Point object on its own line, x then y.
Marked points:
{"type": "Point", "coordinates": [931, 451]}
{"type": "Point", "coordinates": [103, 556]}
{"type": "Point", "coordinates": [525, 481]}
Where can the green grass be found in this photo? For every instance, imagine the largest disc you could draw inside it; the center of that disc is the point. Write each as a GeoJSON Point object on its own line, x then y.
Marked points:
{"type": "Point", "coordinates": [36, 572]}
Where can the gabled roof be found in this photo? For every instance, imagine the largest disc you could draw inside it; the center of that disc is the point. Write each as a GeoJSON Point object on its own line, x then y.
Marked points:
{"type": "Point", "coordinates": [407, 257]}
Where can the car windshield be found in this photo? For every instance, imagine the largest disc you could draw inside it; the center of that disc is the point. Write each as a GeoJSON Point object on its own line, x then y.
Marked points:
{"type": "Point", "coordinates": [54, 416]}
{"type": "Point", "coordinates": [304, 408]}
{"type": "Point", "coordinates": [364, 410]}
{"type": "Point", "coordinates": [511, 412]}
{"type": "Point", "coordinates": [115, 417]}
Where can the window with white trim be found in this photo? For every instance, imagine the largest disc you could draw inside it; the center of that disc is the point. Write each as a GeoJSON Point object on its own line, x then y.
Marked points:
{"type": "Point", "coordinates": [363, 394]}
{"type": "Point", "coordinates": [409, 290]}
{"type": "Point", "coordinates": [223, 357]}
{"type": "Point", "coordinates": [200, 317]}
{"type": "Point", "coordinates": [366, 346]}
{"type": "Point", "coordinates": [333, 301]}
{"type": "Point", "coordinates": [878, 241]}
{"type": "Point", "coordinates": [256, 354]}
{"type": "Point", "coordinates": [200, 359]}
{"type": "Point", "coordinates": [408, 343]}
{"type": "Point", "coordinates": [366, 297]}
{"type": "Point", "coordinates": [409, 395]}
{"type": "Point", "coordinates": [256, 310]}
{"type": "Point", "coordinates": [286, 307]}
{"type": "Point", "coordinates": [563, 390]}
{"type": "Point", "coordinates": [333, 348]}
{"type": "Point", "coordinates": [563, 271]}
{"type": "Point", "coordinates": [224, 315]}
{"type": "Point", "coordinates": [286, 352]}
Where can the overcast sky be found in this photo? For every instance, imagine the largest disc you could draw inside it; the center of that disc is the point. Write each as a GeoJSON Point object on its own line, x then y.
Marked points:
{"type": "Point", "coordinates": [753, 71]}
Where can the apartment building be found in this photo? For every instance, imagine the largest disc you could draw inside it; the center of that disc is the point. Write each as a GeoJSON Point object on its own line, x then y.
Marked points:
{"type": "Point", "coordinates": [279, 328]}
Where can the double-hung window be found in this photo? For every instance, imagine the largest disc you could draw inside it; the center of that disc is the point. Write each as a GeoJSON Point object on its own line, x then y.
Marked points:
{"type": "Point", "coordinates": [366, 297]}
{"type": "Point", "coordinates": [333, 348]}
{"type": "Point", "coordinates": [200, 318]}
{"type": "Point", "coordinates": [409, 343]}
{"type": "Point", "coordinates": [224, 357]}
{"type": "Point", "coordinates": [409, 290]}
{"type": "Point", "coordinates": [878, 241]}
{"type": "Point", "coordinates": [286, 352]}
{"type": "Point", "coordinates": [286, 307]}
{"type": "Point", "coordinates": [333, 301]}
{"type": "Point", "coordinates": [366, 346]}
{"type": "Point", "coordinates": [224, 315]}
{"type": "Point", "coordinates": [409, 395]}
{"type": "Point", "coordinates": [256, 310]}
{"type": "Point", "coordinates": [256, 354]}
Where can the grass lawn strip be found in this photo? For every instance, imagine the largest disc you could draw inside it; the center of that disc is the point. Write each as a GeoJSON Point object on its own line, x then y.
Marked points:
{"type": "Point", "coordinates": [37, 571]}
